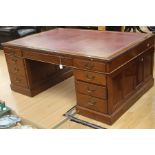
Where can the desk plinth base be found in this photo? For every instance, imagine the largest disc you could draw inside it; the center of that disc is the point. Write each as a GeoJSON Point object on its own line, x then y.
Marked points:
{"type": "Point", "coordinates": [110, 119]}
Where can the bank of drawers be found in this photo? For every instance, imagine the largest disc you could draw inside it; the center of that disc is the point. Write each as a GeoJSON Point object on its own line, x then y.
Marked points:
{"type": "Point", "coordinates": [90, 82]}
{"type": "Point", "coordinates": [16, 70]}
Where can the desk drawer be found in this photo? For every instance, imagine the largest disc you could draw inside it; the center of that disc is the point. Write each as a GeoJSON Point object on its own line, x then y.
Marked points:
{"type": "Point", "coordinates": [18, 80]}
{"type": "Point", "coordinates": [143, 46]}
{"type": "Point", "coordinates": [16, 70]}
{"type": "Point", "coordinates": [91, 77]}
{"type": "Point", "coordinates": [92, 103]}
{"type": "Point", "coordinates": [66, 61]}
{"type": "Point", "coordinates": [91, 89]}
{"type": "Point", "coordinates": [148, 43]}
{"type": "Point", "coordinates": [48, 58]}
{"type": "Point", "coordinates": [89, 65]}
{"type": "Point", "coordinates": [12, 51]}
{"type": "Point", "coordinates": [12, 60]}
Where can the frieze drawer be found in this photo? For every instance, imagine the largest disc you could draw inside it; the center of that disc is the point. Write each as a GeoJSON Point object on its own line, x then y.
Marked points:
{"type": "Point", "coordinates": [89, 65]}
{"type": "Point", "coordinates": [13, 51]}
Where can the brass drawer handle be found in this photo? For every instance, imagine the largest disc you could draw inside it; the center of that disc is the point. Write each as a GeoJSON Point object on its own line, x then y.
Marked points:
{"type": "Point", "coordinates": [16, 69]}
{"type": "Point", "coordinates": [148, 44]}
{"type": "Point", "coordinates": [12, 52]}
{"type": "Point", "coordinates": [18, 80]}
{"type": "Point", "coordinates": [90, 90]}
{"type": "Point", "coordinates": [142, 59]}
{"type": "Point", "coordinates": [91, 103]}
{"type": "Point", "coordinates": [14, 60]}
{"type": "Point", "coordinates": [89, 65]}
{"type": "Point", "coordinates": [90, 77]}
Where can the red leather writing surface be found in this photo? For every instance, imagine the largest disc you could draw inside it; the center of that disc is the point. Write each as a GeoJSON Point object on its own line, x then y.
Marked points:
{"type": "Point", "coordinates": [90, 43]}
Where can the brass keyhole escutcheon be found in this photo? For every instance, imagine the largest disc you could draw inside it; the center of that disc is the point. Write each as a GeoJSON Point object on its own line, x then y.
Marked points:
{"type": "Point", "coordinates": [89, 90]}
{"type": "Point", "coordinates": [89, 65]}
{"type": "Point", "coordinates": [91, 102]}
{"type": "Point", "coordinates": [90, 77]}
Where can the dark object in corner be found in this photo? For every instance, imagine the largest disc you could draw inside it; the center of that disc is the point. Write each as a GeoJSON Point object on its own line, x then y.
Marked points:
{"type": "Point", "coordinates": [151, 28]}
{"type": "Point", "coordinates": [113, 28]}
{"type": "Point", "coordinates": [70, 115]}
{"type": "Point", "coordinates": [133, 28]}
{"type": "Point", "coordinates": [8, 33]}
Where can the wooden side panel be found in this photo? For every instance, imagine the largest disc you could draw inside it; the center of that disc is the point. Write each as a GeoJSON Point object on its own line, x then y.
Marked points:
{"type": "Point", "coordinates": [139, 70]}
{"type": "Point", "coordinates": [129, 77]}
{"type": "Point", "coordinates": [124, 82]}
{"type": "Point", "coordinates": [148, 64]}
{"type": "Point", "coordinates": [121, 86]}
{"type": "Point", "coordinates": [117, 89]}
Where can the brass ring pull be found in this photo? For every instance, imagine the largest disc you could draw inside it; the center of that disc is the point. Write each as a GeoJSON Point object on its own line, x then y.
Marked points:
{"type": "Point", "coordinates": [142, 59]}
{"type": "Point", "coordinates": [89, 65]}
{"type": "Point", "coordinates": [12, 53]}
{"type": "Point", "coordinates": [16, 70]}
{"type": "Point", "coordinates": [148, 44]}
{"type": "Point", "coordinates": [91, 103]}
{"type": "Point", "coordinates": [90, 90]}
{"type": "Point", "coordinates": [14, 60]}
{"type": "Point", "coordinates": [90, 77]}
{"type": "Point", "coordinates": [18, 80]}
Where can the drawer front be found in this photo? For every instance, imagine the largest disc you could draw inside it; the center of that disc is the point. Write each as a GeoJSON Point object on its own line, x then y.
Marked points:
{"type": "Point", "coordinates": [18, 80]}
{"type": "Point", "coordinates": [92, 103]}
{"type": "Point", "coordinates": [144, 46]}
{"type": "Point", "coordinates": [148, 43]}
{"type": "Point", "coordinates": [12, 60]}
{"type": "Point", "coordinates": [12, 51]}
{"type": "Point", "coordinates": [91, 89]}
{"type": "Point", "coordinates": [66, 61]}
{"type": "Point", "coordinates": [89, 65]}
{"type": "Point", "coordinates": [16, 70]}
{"type": "Point", "coordinates": [90, 77]}
{"type": "Point", "coordinates": [41, 57]}
{"type": "Point", "coordinates": [130, 54]}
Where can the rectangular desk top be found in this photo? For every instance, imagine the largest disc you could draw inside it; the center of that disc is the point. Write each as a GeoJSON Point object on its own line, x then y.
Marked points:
{"type": "Point", "coordinates": [105, 45]}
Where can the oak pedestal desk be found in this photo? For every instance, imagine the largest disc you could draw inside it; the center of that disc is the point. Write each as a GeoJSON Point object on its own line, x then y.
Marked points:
{"type": "Point", "coordinates": [111, 69]}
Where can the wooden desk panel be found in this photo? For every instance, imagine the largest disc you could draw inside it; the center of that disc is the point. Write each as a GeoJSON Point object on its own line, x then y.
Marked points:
{"type": "Point", "coordinates": [111, 69]}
